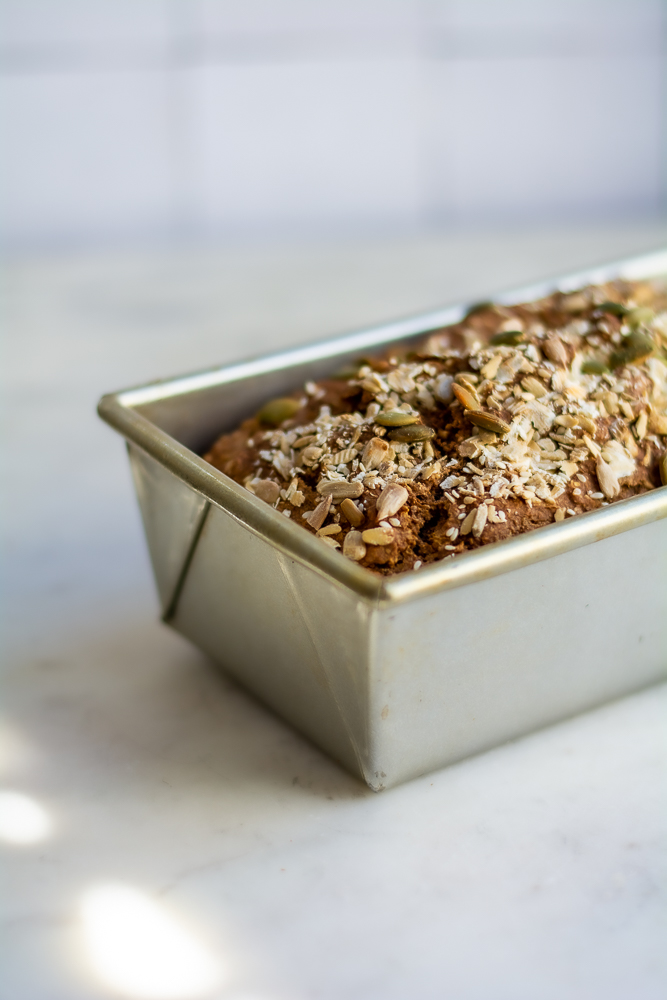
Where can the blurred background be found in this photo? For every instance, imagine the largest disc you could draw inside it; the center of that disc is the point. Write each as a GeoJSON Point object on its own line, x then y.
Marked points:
{"type": "Point", "coordinates": [172, 119]}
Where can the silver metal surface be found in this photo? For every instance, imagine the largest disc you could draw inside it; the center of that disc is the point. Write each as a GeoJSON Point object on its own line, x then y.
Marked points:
{"type": "Point", "coordinates": [393, 676]}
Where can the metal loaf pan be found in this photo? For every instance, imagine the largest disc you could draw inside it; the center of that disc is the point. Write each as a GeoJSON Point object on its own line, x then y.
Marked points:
{"type": "Point", "coordinates": [392, 676]}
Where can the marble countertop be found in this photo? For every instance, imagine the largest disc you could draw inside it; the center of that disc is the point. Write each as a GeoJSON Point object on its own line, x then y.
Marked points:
{"type": "Point", "coordinates": [162, 834]}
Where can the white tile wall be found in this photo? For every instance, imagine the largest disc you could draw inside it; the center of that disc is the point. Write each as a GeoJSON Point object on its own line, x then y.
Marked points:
{"type": "Point", "coordinates": [123, 118]}
{"type": "Point", "coordinates": [86, 155]}
{"type": "Point", "coordinates": [38, 34]}
{"type": "Point", "coordinates": [295, 143]}
{"type": "Point", "coordinates": [515, 28]}
{"type": "Point", "coordinates": [542, 137]}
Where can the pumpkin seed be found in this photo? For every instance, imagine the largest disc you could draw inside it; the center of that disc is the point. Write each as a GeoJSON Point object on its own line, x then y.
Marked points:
{"type": "Point", "coordinates": [396, 418]}
{"type": "Point", "coordinates": [639, 315]}
{"type": "Point", "coordinates": [277, 410]}
{"type": "Point", "coordinates": [509, 337]}
{"type": "Point", "coordinates": [478, 307]}
{"type": "Point", "coordinates": [347, 372]}
{"type": "Point", "coordinates": [412, 433]}
{"type": "Point", "coordinates": [593, 366]}
{"type": "Point", "coordinates": [634, 347]}
{"type": "Point", "coordinates": [489, 422]}
{"type": "Point", "coordinates": [613, 308]}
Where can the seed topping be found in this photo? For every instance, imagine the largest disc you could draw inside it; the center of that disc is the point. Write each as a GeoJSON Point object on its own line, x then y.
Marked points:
{"type": "Point", "coordinates": [512, 418]}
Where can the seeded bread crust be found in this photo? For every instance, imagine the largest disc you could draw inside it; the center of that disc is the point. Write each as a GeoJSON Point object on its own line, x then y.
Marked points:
{"type": "Point", "coordinates": [500, 424]}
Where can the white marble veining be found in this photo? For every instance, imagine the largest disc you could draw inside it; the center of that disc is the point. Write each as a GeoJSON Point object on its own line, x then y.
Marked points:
{"type": "Point", "coordinates": [163, 835]}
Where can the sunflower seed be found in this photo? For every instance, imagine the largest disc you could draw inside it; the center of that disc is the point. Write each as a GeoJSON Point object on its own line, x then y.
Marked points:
{"type": "Point", "coordinates": [340, 489]}
{"type": "Point", "coordinates": [351, 512]}
{"type": "Point", "coordinates": [469, 520]}
{"type": "Point", "coordinates": [489, 422]}
{"type": "Point", "coordinates": [329, 529]}
{"type": "Point", "coordinates": [400, 381]}
{"type": "Point", "coordinates": [311, 455]}
{"type": "Point", "coordinates": [555, 350]}
{"type": "Point", "coordinates": [641, 425]}
{"type": "Point", "coordinates": [586, 423]}
{"type": "Point", "coordinates": [375, 452]}
{"type": "Point", "coordinates": [491, 367]}
{"type": "Point", "coordinates": [610, 400]}
{"type": "Point", "coordinates": [265, 489]}
{"type": "Point", "coordinates": [390, 501]}
{"type": "Point", "coordinates": [608, 481]}
{"type": "Point", "coordinates": [377, 536]}
{"type": "Point", "coordinates": [317, 517]}
{"type": "Point", "coordinates": [531, 384]}
{"type": "Point", "coordinates": [592, 446]}
{"type": "Point", "coordinates": [305, 440]}
{"type": "Point", "coordinates": [468, 380]}
{"type": "Point", "coordinates": [465, 397]}
{"type": "Point", "coordinates": [480, 521]}
{"type": "Point", "coordinates": [353, 546]}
